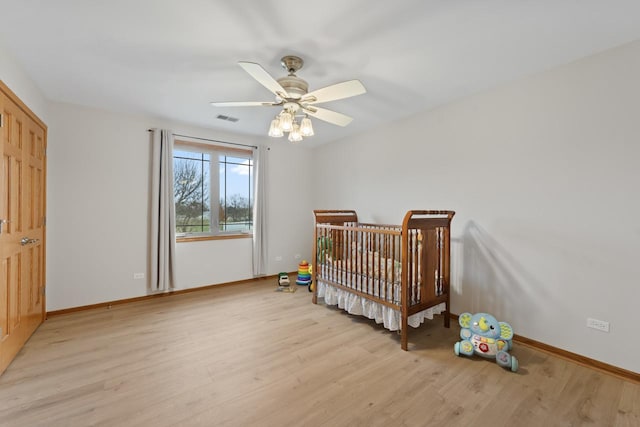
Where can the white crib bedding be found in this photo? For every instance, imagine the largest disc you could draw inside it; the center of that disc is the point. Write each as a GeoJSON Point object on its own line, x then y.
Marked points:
{"type": "Point", "coordinates": [382, 314]}
{"type": "Point", "coordinates": [371, 285]}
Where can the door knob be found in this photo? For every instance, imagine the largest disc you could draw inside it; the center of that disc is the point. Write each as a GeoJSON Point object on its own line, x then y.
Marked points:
{"type": "Point", "coordinates": [26, 241]}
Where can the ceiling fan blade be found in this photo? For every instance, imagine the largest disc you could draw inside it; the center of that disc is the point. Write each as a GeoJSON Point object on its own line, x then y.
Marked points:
{"type": "Point", "coordinates": [328, 115]}
{"type": "Point", "coordinates": [260, 74]}
{"type": "Point", "coordinates": [334, 92]}
{"type": "Point", "coordinates": [243, 104]}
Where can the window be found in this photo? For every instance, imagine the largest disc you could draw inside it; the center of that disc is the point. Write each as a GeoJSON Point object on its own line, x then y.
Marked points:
{"type": "Point", "coordinates": [213, 190]}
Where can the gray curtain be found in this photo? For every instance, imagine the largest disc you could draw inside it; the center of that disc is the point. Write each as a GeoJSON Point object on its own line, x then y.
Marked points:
{"type": "Point", "coordinates": [259, 212]}
{"type": "Point", "coordinates": [163, 212]}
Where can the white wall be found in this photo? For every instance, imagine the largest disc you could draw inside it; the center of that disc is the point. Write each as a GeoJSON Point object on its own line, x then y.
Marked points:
{"type": "Point", "coordinates": [12, 74]}
{"type": "Point", "coordinates": [98, 198]}
{"type": "Point", "coordinates": [544, 176]}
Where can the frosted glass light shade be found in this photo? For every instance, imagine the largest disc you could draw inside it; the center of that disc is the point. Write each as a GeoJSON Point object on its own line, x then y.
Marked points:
{"type": "Point", "coordinates": [295, 135]}
{"type": "Point", "coordinates": [286, 121]}
{"type": "Point", "coordinates": [274, 129]}
{"type": "Point", "coordinates": [306, 128]}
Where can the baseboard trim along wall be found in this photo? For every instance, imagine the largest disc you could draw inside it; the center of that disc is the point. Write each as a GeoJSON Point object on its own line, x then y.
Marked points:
{"type": "Point", "coordinates": [579, 359]}
{"type": "Point", "coordinates": [156, 295]}
{"type": "Point", "coordinates": [574, 357]}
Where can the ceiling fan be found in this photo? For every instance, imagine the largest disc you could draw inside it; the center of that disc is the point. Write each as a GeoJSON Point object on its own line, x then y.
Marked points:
{"type": "Point", "coordinates": [291, 93]}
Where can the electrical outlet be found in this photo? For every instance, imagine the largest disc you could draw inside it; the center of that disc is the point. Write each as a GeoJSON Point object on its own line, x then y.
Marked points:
{"type": "Point", "coordinates": [138, 275]}
{"type": "Point", "coordinates": [600, 325]}
{"type": "Point", "coordinates": [278, 258]}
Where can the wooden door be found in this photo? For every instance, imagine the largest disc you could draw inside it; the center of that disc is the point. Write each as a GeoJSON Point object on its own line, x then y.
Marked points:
{"type": "Point", "coordinates": [22, 213]}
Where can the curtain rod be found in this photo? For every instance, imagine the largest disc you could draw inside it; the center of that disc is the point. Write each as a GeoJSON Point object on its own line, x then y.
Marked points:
{"type": "Point", "coordinates": [210, 140]}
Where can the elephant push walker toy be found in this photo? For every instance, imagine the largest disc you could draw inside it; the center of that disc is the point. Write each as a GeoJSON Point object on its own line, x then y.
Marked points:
{"type": "Point", "coordinates": [483, 335]}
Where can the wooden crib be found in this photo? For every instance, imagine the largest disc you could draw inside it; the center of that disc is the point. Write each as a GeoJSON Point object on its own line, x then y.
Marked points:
{"type": "Point", "coordinates": [397, 275]}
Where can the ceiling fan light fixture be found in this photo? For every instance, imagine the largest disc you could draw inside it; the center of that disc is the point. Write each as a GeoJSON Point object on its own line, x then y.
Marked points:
{"type": "Point", "coordinates": [306, 127]}
{"type": "Point", "coordinates": [274, 130]}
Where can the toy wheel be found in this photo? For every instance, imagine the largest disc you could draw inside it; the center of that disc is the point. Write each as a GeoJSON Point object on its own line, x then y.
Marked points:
{"type": "Point", "coordinates": [514, 364]}
{"type": "Point", "coordinates": [465, 320]}
{"type": "Point", "coordinates": [456, 348]}
{"type": "Point", "coordinates": [504, 359]}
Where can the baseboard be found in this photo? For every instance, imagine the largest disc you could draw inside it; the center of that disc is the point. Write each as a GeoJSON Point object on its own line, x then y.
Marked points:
{"type": "Point", "coordinates": [107, 304]}
{"type": "Point", "coordinates": [574, 357]}
{"type": "Point", "coordinates": [579, 359]}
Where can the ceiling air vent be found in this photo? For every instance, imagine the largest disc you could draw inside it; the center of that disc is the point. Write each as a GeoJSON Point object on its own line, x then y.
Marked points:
{"type": "Point", "coordinates": [227, 118]}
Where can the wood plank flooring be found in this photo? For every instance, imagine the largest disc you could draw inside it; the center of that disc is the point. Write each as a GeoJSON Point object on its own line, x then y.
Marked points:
{"type": "Point", "coordinates": [245, 355]}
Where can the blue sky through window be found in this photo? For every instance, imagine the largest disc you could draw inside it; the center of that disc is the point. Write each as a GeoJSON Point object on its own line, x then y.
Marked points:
{"type": "Point", "coordinates": [238, 179]}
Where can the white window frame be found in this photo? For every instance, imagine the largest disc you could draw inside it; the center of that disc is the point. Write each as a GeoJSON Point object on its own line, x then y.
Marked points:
{"type": "Point", "coordinates": [214, 152]}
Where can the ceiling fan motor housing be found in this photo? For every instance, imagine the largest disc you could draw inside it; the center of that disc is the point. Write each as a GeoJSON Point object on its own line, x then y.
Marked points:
{"type": "Point", "coordinates": [294, 85]}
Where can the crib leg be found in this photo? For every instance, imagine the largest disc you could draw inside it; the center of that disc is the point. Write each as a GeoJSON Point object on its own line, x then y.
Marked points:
{"type": "Point", "coordinates": [404, 332]}
{"type": "Point", "coordinates": [447, 313]}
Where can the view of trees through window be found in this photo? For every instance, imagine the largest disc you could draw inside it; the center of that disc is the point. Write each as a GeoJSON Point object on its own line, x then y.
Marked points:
{"type": "Point", "coordinates": [213, 192]}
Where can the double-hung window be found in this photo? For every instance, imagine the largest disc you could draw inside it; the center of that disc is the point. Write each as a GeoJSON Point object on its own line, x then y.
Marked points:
{"type": "Point", "coordinates": [213, 190]}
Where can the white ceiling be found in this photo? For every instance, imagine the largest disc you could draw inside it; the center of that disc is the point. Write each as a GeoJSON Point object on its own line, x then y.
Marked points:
{"type": "Point", "coordinates": [171, 58]}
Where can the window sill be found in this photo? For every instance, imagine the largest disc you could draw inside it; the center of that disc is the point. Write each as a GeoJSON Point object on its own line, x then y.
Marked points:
{"type": "Point", "coordinates": [183, 239]}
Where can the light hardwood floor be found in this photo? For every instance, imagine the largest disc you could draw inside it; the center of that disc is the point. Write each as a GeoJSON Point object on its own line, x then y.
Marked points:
{"type": "Point", "coordinates": [245, 355]}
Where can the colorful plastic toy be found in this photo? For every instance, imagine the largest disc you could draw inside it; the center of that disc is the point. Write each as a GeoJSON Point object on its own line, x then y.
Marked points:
{"type": "Point", "coordinates": [483, 335]}
{"type": "Point", "coordinates": [284, 284]}
{"type": "Point", "coordinates": [304, 275]}
{"type": "Point", "coordinates": [283, 280]}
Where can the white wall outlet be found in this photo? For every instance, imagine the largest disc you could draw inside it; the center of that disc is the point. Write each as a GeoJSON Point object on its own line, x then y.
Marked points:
{"type": "Point", "coordinates": [278, 258]}
{"type": "Point", "coordinates": [297, 256]}
{"type": "Point", "coordinates": [600, 325]}
{"type": "Point", "coordinates": [138, 275]}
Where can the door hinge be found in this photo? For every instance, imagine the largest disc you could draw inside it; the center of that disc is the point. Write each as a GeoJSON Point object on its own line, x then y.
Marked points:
{"type": "Point", "coordinates": [1, 120]}
{"type": "Point", "coordinates": [44, 290]}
